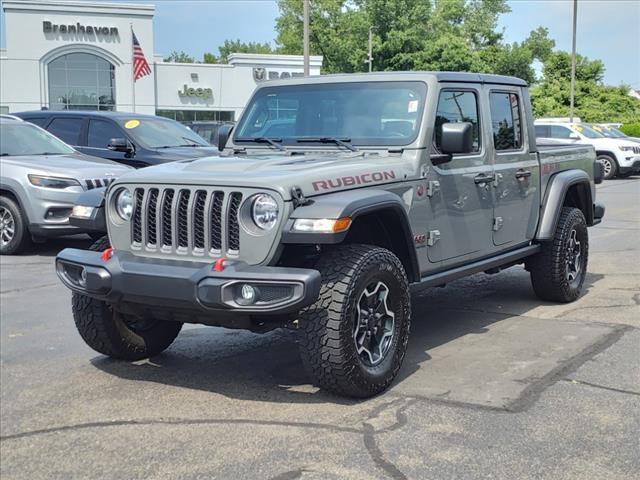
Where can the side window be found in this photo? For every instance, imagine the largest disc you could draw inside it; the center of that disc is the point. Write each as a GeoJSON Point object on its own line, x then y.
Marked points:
{"type": "Point", "coordinates": [505, 120]}
{"type": "Point", "coordinates": [542, 131]}
{"type": "Point", "coordinates": [39, 121]}
{"type": "Point", "coordinates": [457, 106]}
{"type": "Point", "coordinates": [100, 132]}
{"type": "Point", "coordinates": [558, 131]}
{"type": "Point", "coordinates": [66, 129]}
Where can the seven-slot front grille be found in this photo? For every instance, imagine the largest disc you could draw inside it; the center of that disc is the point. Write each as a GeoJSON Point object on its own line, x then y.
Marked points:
{"type": "Point", "coordinates": [92, 183]}
{"type": "Point", "coordinates": [186, 220]}
{"type": "Point", "coordinates": [636, 149]}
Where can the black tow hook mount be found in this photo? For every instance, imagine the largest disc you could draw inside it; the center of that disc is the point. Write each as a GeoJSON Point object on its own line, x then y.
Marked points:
{"type": "Point", "coordinates": [298, 197]}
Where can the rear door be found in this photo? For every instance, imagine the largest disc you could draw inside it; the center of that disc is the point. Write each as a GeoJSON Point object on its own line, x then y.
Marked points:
{"type": "Point", "coordinates": [461, 202]}
{"type": "Point", "coordinates": [517, 172]}
{"type": "Point", "coordinates": [67, 129]}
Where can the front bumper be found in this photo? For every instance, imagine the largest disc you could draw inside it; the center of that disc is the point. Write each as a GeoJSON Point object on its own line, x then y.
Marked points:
{"type": "Point", "coordinates": [630, 169]}
{"type": "Point", "coordinates": [186, 285]}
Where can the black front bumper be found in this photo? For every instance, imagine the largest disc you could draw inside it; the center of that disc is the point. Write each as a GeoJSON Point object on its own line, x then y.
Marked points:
{"type": "Point", "coordinates": [634, 168]}
{"type": "Point", "coordinates": [170, 284]}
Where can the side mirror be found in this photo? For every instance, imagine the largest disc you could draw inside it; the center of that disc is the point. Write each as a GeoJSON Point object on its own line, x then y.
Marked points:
{"type": "Point", "coordinates": [224, 132]}
{"type": "Point", "coordinates": [457, 138]}
{"type": "Point", "coordinates": [574, 136]}
{"type": "Point", "coordinates": [120, 145]}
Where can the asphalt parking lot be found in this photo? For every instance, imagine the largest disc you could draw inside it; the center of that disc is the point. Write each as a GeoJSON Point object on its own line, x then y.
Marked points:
{"type": "Point", "coordinates": [496, 384]}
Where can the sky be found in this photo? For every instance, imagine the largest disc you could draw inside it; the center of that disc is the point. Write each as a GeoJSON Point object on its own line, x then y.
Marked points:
{"type": "Point", "coordinates": [607, 29]}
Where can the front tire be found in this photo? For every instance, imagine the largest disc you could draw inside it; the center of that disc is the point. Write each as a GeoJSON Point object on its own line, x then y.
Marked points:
{"type": "Point", "coordinates": [559, 270]}
{"type": "Point", "coordinates": [14, 233]}
{"type": "Point", "coordinates": [610, 166]}
{"type": "Point", "coordinates": [354, 338]}
{"type": "Point", "coordinates": [116, 335]}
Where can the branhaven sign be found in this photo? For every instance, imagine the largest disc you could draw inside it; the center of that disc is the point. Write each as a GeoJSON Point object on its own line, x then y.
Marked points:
{"type": "Point", "coordinates": [79, 29]}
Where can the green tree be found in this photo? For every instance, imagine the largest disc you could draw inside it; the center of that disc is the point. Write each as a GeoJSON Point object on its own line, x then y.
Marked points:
{"type": "Point", "coordinates": [594, 101]}
{"type": "Point", "coordinates": [179, 57]}
{"type": "Point", "coordinates": [457, 35]}
{"type": "Point", "coordinates": [236, 46]}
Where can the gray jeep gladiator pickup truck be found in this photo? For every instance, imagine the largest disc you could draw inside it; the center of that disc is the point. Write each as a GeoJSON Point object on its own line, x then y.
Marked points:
{"type": "Point", "coordinates": [334, 198]}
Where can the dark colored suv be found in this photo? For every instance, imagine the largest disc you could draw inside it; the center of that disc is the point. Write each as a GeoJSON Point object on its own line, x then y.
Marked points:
{"type": "Point", "coordinates": [129, 138]}
{"type": "Point", "coordinates": [207, 129]}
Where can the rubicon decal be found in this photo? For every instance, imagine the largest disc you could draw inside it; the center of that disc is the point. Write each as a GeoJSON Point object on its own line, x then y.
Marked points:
{"type": "Point", "coordinates": [349, 181]}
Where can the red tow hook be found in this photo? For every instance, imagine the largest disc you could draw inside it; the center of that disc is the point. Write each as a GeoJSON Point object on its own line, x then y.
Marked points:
{"type": "Point", "coordinates": [219, 265]}
{"type": "Point", "coordinates": [107, 254]}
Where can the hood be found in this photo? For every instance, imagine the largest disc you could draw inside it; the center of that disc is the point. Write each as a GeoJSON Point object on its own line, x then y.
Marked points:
{"type": "Point", "coordinates": [181, 153]}
{"type": "Point", "coordinates": [314, 173]}
{"type": "Point", "coordinates": [613, 142]}
{"type": "Point", "coordinates": [74, 165]}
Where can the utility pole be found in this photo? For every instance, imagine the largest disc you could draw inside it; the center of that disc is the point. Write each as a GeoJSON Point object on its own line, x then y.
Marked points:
{"type": "Point", "coordinates": [305, 36]}
{"type": "Point", "coordinates": [573, 61]}
{"type": "Point", "coordinates": [370, 56]}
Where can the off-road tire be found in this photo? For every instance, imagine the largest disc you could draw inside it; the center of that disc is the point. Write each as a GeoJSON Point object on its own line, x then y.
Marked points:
{"type": "Point", "coordinates": [327, 345]}
{"type": "Point", "coordinates": [612, 170]}
{"type": "Point", "coordinates": [549, 267]}
{"type": "Point", "coordinates": [21, 239]}
{"type": "Point", "coordinates": [110, 333]}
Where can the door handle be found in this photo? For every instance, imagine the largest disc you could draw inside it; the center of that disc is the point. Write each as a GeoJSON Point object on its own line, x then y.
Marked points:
{"type": "Point", "coordinates": [482, 178]}
{"type": "Point", "coordinates": [523, 174]}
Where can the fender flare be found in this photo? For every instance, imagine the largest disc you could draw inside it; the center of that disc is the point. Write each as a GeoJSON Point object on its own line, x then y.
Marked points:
{"type": "Point", "coordinates": [19, 195]}
{"type": "Point", "coordinates": [94, 198]}
{"type": "Point", "coordinates": [352, 204]}
{"type": "Point", "coordinates": [554, 198]}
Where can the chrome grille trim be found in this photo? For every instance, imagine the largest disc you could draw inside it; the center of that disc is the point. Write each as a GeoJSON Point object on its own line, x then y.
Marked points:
{"type": "Point", "coordinates": [198, 221]}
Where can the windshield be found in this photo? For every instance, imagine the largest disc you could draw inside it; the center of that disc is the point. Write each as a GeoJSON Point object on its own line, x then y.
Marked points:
{"type": "Point", "coordinates": [372, 113]}
{"type": "Point", "coordinates": [587, 131]}
{"type": "Point", "coordinates": [608, 132]}
{"type": "Point", "coordinates": [22, 138]}
{"type": "Point", "coordinates": [161, 133]}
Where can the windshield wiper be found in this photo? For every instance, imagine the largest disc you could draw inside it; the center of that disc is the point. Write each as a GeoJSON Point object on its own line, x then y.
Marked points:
{"type": "Point", "coordinates": [343, 142]}
{"type": "Point", "coordinates": [271, 141]}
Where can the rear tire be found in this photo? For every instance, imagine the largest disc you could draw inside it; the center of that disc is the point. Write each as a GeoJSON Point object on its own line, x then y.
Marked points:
{"type": "Point", "coordinates": [559, 270]}
{"type": "Point", "coordinates": [610, 166]}
{"type": "Point", "coordinates": [117, 335]}
{"type": "Point", "coordinates": [14, 233]}
{"type": "Point", "coordinates": [354, 338]}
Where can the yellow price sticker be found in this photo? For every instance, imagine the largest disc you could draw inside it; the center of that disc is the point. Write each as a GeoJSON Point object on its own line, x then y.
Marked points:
{"type": "Point", "coordinates": [132, 124]}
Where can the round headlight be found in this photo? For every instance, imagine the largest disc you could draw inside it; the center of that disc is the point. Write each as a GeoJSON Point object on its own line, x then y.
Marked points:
{"type": "Point", "coordinates": [264, 211]}
{"type": "Point", "coordinates": [124, 204]}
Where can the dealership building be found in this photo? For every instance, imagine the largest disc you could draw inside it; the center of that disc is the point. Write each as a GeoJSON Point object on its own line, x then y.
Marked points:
{"type": "Point", "coordinates": [78, 55]}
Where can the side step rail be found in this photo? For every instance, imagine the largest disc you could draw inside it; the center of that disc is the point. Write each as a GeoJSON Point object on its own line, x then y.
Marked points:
{"type": "Point", "coordinates": [441, 278]}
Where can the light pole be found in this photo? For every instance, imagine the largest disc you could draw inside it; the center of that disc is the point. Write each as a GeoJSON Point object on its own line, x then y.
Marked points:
{"type": "Point", "coordinates": [305, 36]}
{"type": "Point", "coordinates": [573, 61]}
{"type": "Point", "coordinates": [370, 55]}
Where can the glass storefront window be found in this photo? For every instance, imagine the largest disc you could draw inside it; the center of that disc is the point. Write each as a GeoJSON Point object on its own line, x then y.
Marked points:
{"type": "Point", "coordinates": [81, 81]}
{"type": "Point", "coordinates": [197, 115]}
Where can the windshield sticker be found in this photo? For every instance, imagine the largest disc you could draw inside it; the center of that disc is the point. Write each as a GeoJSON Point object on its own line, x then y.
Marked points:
{"type": "Point", "coordinates": [132, 124]}
{"type": "Point", "coordinates": [412, 107]}
{"type": "Point", "coordinates": [578, 128]}
{"type": "Point", "coordinates": [597, 128]}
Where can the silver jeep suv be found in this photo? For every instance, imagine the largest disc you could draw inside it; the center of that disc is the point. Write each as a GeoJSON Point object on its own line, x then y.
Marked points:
{"type": "Point", "coordinates": [40, 180]}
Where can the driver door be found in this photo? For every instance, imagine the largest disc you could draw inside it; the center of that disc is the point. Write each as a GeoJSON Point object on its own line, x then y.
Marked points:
{"type": "Point", "coordinates": [462, 204]}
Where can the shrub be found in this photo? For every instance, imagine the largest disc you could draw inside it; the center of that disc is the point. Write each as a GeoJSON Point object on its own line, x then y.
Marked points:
{"type": "Point", "coordinates": [631, 129]}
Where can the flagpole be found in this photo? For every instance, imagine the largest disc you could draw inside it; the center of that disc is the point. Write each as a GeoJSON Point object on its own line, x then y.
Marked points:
{"type": "Point", "coordinates": [133, 76]}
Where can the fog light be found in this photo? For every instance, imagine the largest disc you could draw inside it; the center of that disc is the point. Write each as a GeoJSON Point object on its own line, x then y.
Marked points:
{"type": "Point", "coordinates": [83, 278]}
{"type": "Point", "coordinates": [248, 294]}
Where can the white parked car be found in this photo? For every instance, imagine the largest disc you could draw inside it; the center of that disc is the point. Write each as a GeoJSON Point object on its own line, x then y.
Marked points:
{"type": "Point", "coordinates": [619, 156]}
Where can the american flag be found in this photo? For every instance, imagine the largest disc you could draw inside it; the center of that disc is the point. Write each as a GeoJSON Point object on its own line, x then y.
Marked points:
{"type": "Point", "coordinates": [140, 64]}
